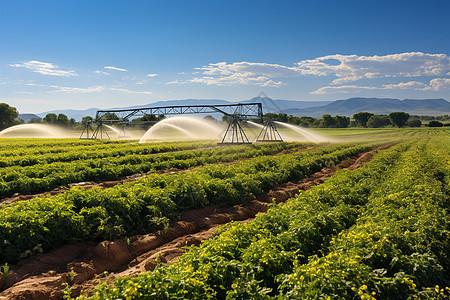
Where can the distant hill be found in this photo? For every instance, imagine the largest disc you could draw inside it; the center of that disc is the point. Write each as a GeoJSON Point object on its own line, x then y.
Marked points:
{"type": "Point", "coordinates": [351, 106]}
{"type": "Point", "coordinates": [28, 117]}
{"type": "Point", "coordinates": [346, 107]}
{"type": "Point", "coordinates": [278, 105]}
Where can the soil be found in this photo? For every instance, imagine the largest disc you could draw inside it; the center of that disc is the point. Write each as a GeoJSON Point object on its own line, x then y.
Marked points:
{"type": "Point", "coordinates": [83, 265]}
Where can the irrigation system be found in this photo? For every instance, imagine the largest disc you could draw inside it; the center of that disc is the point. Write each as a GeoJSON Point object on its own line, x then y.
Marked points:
{"type": "Point", "coordinates": [236, 114]}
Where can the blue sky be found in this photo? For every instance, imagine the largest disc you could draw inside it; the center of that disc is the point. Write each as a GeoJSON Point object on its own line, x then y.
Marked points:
{"type": "Point", "coordinates": [82, 54]}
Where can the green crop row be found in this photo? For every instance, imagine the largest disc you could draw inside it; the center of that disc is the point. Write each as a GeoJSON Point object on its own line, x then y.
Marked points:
{"type": "Point", "coordinates": [44, 177]}
{"type": "Point", "coordinates": [147, 204]}
{"type": "Point", "coordinates": [70, 151]}
{"type": "Point", "coordinates": [379, 232]}
{"type": "Point", "coordinates": [10, 147]}
{"type": "Point", "coordinates": [399, 246]}
{"type": "Point", "coordinates": [15, 143]}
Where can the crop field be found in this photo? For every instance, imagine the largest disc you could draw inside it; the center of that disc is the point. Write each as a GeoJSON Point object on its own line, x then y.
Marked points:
{"type": "Point", "coordinates": [25, 171]}
{"type": "Point", "coordinates": [364, 216]}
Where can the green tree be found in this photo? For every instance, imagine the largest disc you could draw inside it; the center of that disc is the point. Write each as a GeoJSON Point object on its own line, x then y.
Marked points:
{"type": "Point", "coordinates": [50, 118]}
{"type": "Point", "coordinates": [293, 120]}
{"type": "Point", "coordinates": [398, 118]}
{"type": "Point", "coordinates": [435, 124]}
{"type": "Point", "coordinates": [8, 115]}
{"type": "Point", "coordinates": [306, 121]}
{"type": "Point", "coordinates": [316, 123]}
{"type": "Point", "coordinates": [226, 118]}
{"type": "Point", "coordinates": [327, 121]}
{"type": "Point", "coordinates": [73, 122]}
{"type": "Point", "coordinates": [282, 117]}
{"type": "Point", "coordinates": [63, 120]}
{"type": "Point", "coordinates": [377, 121]}
{"type": "Point", "coordinates": [271, 116]}
{"type": "Point", "coordinates": [150, 118]}
{"type": "Point", "coordinates": [414, 122]}
{"type": "Point", "coordinates": [110, 116]}
{"type": "Point", "coordinates": [362, 117]}
{"type": "Point", "coordinates": [35, 120]}
{"type": "Point", "coordinates": [427, 118]}
{"type": "Point", "coordinates": [341, 121]}
{"type": "Point", "coordinates": [353, 123]}
{"type": "Point", "coordinates": [86, 120]}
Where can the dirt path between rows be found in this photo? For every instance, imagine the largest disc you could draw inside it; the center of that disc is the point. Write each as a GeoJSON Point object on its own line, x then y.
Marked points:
{"type": "Point", "coordinates": [107, 184]}
{"type": "Point", "coordinates": [83, 265]}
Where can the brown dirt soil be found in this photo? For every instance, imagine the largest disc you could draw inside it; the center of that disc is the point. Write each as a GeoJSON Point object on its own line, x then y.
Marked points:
{"type": "Point", "coordinates": [83, 265]}
{"type": "Point", "coordinates": [62, 189]}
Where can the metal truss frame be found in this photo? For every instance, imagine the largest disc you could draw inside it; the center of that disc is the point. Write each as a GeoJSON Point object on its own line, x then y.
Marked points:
{"type": "Point", "coordinates": [233, 135]}
{"type": "Point", "coordinates": [242, 110]}
{"type": "Point", "coordinates": [269, 133]}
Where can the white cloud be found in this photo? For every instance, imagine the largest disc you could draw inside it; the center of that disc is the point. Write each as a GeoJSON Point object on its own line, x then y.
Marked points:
{"type": "Point", "coordinates": [243, 73]}
{"type": "Point", "coordinates": [34, 84]}
{"type": "Point", "coordinates": [439, 84]}
{"type": "Point", "coordinates": [65, 89]}
{"type": "Point", "coordinates": [342, 89]}
{"type": "Point", "coordinates": [175, 82]}
{"type": "Point", "coordinates": [115, 68]}
{"type": "Point", "coordinates": [406, 85]}
{"type": "Point", "coordinates": [152, 75]}
{"type": "Point", "coordinates": [349, 68]}
{"type": "Point", "coordinates": [45, 68]}
{"type": "Point", "coordinates": [233, 79]}
{"type": "Point", "coordinates": [345, 79]}
{"type": "Point", "coordinates": [101, 72]}
{"type": "Point", "coordinates": [272, 83]}
{"type": "Point", "coordinates": [265, 69]}
{"type": "Point", "coordinates": [131, 92]}
{"type": "Point", "coordinates": [436, 84]}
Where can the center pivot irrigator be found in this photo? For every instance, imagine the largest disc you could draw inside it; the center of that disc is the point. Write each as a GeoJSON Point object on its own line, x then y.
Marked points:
{"type": "Point", "coordinates": [235, 114]}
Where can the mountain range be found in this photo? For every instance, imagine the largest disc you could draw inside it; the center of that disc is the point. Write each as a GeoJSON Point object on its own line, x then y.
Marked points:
{"type": "Point", "coordinates": [349, 107]}
{"type": "Point", "coordinates": [346, 107]}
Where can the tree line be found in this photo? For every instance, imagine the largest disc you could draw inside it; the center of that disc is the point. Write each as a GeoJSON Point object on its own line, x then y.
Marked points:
{"type": "Point", "coordinates": [361, 119]}
{"type": "Point", "coordinates": [9, 117]}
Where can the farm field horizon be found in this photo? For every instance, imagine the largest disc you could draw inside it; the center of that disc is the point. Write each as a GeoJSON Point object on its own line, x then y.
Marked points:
{"type": "Point", "coordinates": [364, 215]}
